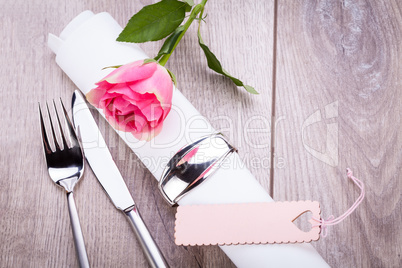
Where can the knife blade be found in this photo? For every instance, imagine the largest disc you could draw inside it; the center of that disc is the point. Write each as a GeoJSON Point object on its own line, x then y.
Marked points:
{"type": "Point", "coordinates": [101, 162]}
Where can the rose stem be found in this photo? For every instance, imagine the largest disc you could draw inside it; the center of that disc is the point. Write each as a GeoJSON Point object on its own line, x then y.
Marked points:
{"type": "Point", "coordinates": [197, 9]}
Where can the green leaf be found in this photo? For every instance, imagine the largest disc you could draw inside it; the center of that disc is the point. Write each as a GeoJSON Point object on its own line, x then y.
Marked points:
{"type": "Point", "coordinates": [115, 67]}
{"type": "Point", "coordinates": [169, 44]}
{"type": "Point", "coordinates": [148, 61]}
{"type": "Point", "coordinates": [189, 2]}
{"type": "Point", "coordinates": [215, 65]}
{"type": "Point", "coordinates": [172, 76]}
{"type": "Point", "coordinates": [154, 22]}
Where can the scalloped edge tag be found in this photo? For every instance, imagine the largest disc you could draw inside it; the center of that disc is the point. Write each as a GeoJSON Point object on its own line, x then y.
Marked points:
{"type": "Point", "coordinates": [245, 223]}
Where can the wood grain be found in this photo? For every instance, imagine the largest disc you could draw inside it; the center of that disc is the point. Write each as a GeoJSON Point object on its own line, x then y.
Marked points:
{"type": "Point", "coordinates": [339, 105]}
{"type": "Point", "coordinates": [34, 224]}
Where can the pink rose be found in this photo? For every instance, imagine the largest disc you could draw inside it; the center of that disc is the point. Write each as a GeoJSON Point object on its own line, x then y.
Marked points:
{"type": "Point", "coordinates": [135, 98]}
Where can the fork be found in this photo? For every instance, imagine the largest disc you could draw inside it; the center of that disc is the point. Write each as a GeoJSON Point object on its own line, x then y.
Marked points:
{"type": "Point", "coordinates": [65, 166]}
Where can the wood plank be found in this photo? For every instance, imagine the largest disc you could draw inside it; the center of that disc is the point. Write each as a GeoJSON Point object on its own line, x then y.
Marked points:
{"type": "Point", "coordinates": [34, 224]}
{"type": "Point", "coordinates": [338, 105]}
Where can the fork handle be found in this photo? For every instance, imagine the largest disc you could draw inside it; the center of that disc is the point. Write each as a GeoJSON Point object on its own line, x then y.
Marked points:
{"type": "Point", "coordinates": [151, 250]}
{"type": "Point", "coordinates": [77, 233]}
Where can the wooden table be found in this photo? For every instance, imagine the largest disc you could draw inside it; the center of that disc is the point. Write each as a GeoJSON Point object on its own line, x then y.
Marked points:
{"type": "Point", "coordinates": [330, 99]}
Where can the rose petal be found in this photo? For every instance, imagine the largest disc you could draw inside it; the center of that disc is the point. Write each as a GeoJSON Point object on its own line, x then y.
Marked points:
{"type": "Point", "coordinates": [95, 95]}
{"type": "Point", "coordinates": [159, 84]}
{"type": "Point", "coordinates": [149, 106]}
{"type": "Point", "coordinates": [153, 123]}
{"type": "Point", "coordinates": [129, 109]}
{"type": "Point", "coordinates": [124, 90]}
{"type": "Point", "coordinates": [140, 122]}
{"type": "Point", "coordinates": [121, 104]}
{"type": "Point", "coordinates": [165, 85]}
{"type": "Point", "coordinates": [135, 98]}
{"type": "Point", "coordinates": [131, 72]}
{"type": "Point", "coordinates": [148, 133]}
{"type": "Point", "coordinates": [152, 112]}
{"type": "Point", "coordinates": [103, 84]}
{"type": "Point", "coordinates": [111, 119]}
{"type": "Point", "coordinates": [134, 121]}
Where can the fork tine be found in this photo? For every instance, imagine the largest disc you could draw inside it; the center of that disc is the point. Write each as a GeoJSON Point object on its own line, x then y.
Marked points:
{"type": "Point", "coordinates": [51, 125]}
{"type": "Point", "coordinates": [46, 144]}
{"type": "Point", "coordinates": [73, 136]}
{"type": "Point", "coordinates": [65, 146]}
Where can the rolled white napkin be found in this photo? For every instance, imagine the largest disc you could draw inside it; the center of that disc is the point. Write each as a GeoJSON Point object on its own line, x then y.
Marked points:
{"type": "Point", "coordinates": [85, 46]}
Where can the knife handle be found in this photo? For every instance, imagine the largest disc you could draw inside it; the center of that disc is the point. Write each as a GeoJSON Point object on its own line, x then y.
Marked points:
{"type": "Point", "coordinates": [151, 250]}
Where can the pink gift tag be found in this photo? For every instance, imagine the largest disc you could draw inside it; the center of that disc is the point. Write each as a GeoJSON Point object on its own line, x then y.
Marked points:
{"type": "Point", "coordinates": [254, 223]}
{"type": "Point", "coordinates": [248, 223]}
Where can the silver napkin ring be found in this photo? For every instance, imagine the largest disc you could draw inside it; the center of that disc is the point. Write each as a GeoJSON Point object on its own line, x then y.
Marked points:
{"type": "Point", "coordinates": [192, 165]}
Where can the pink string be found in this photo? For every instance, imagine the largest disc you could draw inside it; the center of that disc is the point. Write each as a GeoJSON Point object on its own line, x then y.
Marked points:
{"type": "Point", "coordinates": [331, 220]}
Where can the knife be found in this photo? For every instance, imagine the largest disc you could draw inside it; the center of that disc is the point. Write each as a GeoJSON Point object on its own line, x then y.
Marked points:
{"type": "Point", "coordinates": [101, 162]}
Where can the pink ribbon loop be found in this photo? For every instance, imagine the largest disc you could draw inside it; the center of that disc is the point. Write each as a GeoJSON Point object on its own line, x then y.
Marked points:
{"type": "Point", "coordinates": [331, 220]}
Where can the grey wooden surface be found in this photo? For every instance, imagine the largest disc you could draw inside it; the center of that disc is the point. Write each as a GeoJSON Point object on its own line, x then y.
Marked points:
{"type": "Point", "coordinates": [341, 58]}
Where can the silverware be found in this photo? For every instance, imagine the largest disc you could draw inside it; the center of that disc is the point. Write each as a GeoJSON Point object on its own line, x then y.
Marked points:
{"type": "Point", "coordinates": [65, 166]}
{"type": "Point", "coordinates": [101, 162]}
{"type": "Point", "coordinates": [192, 165]}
